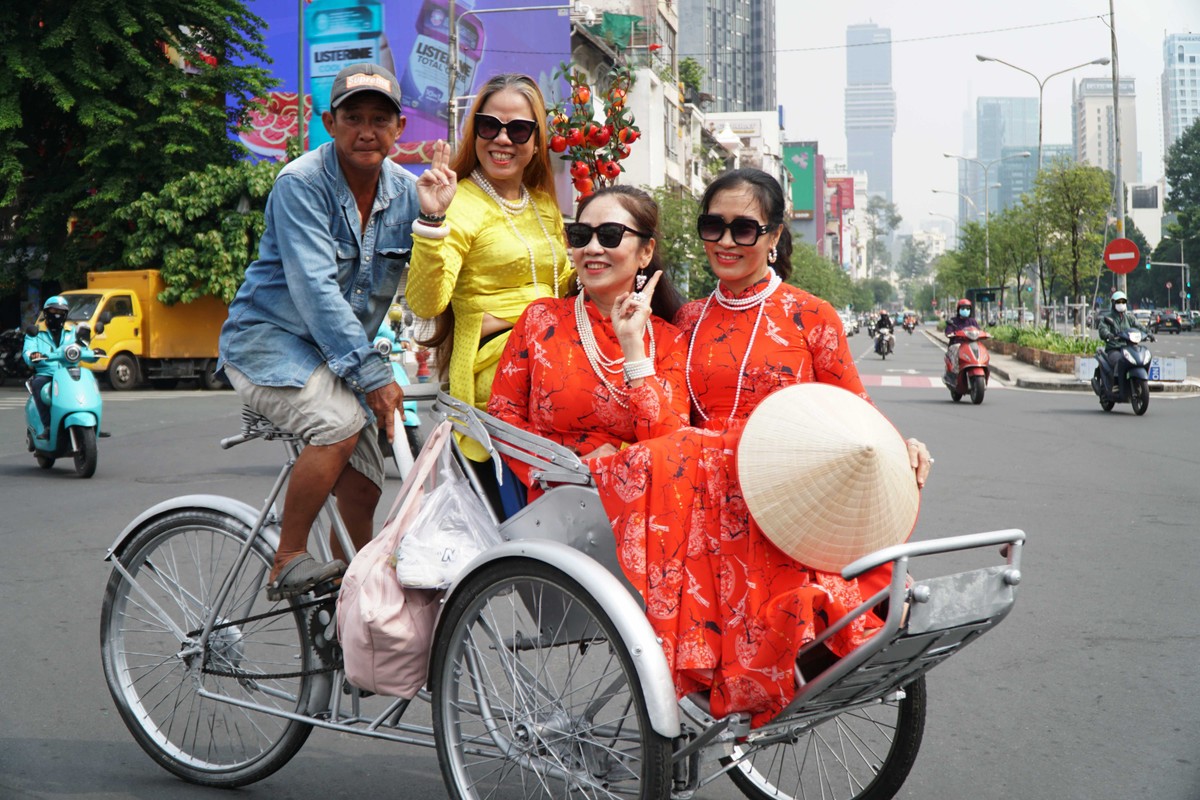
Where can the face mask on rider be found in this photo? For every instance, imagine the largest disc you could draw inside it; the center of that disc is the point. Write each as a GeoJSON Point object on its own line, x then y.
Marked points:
{"type": "Point", "coordinates": [1120, 306]}
{"type": "Point", "coordinates": [964, 312]}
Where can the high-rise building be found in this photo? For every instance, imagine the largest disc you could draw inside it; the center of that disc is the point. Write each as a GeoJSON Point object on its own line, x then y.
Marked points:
{"type": "Point", "coordinates": [870, 105]}
{"type": "Point", "coordinates": [1017, 175]}
{"type": "Point", "coordinates": [1095, 128]}
{"type": "Point", "coordinates": [1004, 127]}
{"type": "Point", "coordinates": [1180, 85]}
{"type": "Point", "coordinates": [734, 41]}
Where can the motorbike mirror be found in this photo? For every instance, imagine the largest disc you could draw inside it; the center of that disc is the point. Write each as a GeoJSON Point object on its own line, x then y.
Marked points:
{"type": "Point", "coordinates": [105, 317]}
{"type": "Point", "coordinates": [32, 330]}
{"type": "Point", "coordinates": [100, 327]}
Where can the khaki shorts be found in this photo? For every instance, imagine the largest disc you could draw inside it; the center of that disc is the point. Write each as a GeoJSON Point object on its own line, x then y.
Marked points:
{"type": "Point", "coordinates": [324, 412]}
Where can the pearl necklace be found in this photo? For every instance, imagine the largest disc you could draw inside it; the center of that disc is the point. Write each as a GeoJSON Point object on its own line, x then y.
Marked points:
{"type": "Point", "coordinates": [511, 211]}
{"type": "Point", "coordinates": [598, 361]}
{"type": "Point", "coordinates": [732, 304]}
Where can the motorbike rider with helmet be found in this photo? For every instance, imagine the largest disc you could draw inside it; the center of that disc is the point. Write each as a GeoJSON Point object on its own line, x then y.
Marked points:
{"type": "Point", "coordinates": [964, 317]}
{"type": "Point", "coordinates": [41, 344]}
{"type": "Point", "coordinates": [1116, 321]}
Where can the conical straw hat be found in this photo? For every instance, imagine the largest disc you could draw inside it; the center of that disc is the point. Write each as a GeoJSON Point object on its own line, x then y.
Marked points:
{"type": "Point", "coordinates": [826, 476]}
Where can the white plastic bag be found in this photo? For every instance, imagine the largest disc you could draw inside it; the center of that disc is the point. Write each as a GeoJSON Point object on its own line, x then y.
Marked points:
{"type": "Point", "coordinates": [451, 528]}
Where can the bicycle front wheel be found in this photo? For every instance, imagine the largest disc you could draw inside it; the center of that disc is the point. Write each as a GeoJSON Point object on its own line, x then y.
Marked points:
{"type": "Point", "coordinates": [258, 652]}
{"type": "Point", "coordinates": [535, 694]}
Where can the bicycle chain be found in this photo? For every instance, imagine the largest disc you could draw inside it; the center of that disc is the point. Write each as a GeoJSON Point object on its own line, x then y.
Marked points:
{"type": "Point", "coordinates": [220, 673]}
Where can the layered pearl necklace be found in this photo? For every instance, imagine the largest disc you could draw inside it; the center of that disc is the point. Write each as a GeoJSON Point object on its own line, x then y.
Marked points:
{"type": "Point", "coordinates": [512, 210]}
{"type": "Point", "coordinates": [731, 304]}
{"type": "Point", "coordinates": [601, 363]}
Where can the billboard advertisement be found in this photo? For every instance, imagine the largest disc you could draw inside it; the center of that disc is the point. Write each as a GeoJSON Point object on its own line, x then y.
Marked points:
{"type": "Point", "coordinates": [800, 159]}
{"type": "Point", "coordinates": [410, 38]}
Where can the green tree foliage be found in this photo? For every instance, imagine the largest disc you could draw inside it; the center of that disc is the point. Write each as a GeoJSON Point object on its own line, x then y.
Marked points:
{"type": "Point", "coordinates": [95, 111]}
{"type": "Point", "coordinates": [1073, 200]}
{"type": "Point", "coordinates": [882, 219]}
{"type": "Point", "coordinates": [1014, 250]}
{"type": "Point", "coordinates": [202, 230]}
{"type": "Point", "coordinates": [691, 74]}
{"type": "Point", "coordinates": [681, 249]}
{"type": "Point", "coordinates": [1183, 198]}
{"type": "Point", "coordinates": [820, 276]}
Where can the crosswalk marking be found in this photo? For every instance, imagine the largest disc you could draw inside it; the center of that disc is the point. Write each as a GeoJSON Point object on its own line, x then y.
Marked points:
{"type": "Point", "coordinates": [17, 399]}
{"type": "Point", "coordinates": [912, 382]}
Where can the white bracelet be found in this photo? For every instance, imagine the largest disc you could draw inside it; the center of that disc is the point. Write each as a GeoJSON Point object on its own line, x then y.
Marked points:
{"type": "Point", "coordinates": [427, 231]}
{"type": "Point", "coordinates": [638, 369]}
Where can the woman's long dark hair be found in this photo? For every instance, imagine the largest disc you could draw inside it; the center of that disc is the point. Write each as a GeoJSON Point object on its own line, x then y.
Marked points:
{"type": "Point", "coordinates": [641, 206]}
{"type": "Point", "coordinates": [769, 194]}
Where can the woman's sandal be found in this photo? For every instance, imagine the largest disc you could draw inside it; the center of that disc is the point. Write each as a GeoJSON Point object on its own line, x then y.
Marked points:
{"type": "Point", "coordinates": [303, 574]}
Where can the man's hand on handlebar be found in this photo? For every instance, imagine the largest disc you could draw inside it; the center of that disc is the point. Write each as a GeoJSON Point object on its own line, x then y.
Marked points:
{"type": "Point", "coordinates": [384, 402]}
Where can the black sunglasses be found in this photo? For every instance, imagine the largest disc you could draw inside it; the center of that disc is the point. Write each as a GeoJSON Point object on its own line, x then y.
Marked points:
{"type": "Point", "coordinates": [519, 130]}
{"type": "Point", "coordinates": [744, 231]}
{"type": "Point", "coordinates": [610, 234]}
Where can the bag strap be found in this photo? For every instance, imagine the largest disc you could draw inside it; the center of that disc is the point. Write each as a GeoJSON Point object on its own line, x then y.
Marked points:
{"type": "Point", "coordinates": [412, 489]}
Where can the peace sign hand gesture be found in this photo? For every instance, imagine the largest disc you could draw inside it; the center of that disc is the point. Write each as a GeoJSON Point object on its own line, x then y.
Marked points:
{"type": "Point", "coordinates": [630, 313]}
{"type": "Point", "coordinates": [437, 185]}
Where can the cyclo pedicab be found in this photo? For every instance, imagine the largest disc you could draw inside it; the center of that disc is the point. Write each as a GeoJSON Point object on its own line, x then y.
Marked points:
{"type": "Point", "coordinates": [545, 677]}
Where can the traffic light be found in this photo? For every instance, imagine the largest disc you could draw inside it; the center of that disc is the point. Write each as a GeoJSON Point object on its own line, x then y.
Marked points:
{"type": "Point", "coordinates": [1147, 261]}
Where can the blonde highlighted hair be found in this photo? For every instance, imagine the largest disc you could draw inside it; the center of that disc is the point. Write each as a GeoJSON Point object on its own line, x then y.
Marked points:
{"type": "Point", "coordinates": [537, 175]}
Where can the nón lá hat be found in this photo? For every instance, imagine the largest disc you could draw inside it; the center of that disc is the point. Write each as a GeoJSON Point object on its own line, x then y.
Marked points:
{"type": "Point", "coordinates": [364, 78]}
{"type": "Point", "coordinates": [826, 476]}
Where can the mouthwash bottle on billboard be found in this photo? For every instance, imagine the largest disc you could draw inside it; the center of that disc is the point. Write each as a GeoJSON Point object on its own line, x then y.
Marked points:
{"type": "Point", "coordinates": [339, 33]}
{"type": "Point", "coordinates": [427, 74]}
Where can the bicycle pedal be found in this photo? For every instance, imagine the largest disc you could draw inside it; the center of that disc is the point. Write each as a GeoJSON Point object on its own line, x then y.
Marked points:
{"type": "Point", "coordinates": [331, 586]}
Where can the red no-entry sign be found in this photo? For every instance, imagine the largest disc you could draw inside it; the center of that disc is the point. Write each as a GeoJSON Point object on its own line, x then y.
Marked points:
{"type": "Point", "coordinates": [1122, 256]}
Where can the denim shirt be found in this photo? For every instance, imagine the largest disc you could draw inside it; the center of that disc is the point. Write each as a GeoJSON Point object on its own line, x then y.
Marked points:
{"type": "Point", "coordinates": [319, 285]}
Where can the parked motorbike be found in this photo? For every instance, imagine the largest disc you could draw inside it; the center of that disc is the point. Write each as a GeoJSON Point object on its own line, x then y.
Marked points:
{"type": "Point", "coordinates": [884, 343]}
{"type": "Point", "coordinates": [385, 344]}
{"type": "Point", "coordinates": [1131, 384]}
{"type": "Point", "coordinates": [75, 410]}
{"type": "Point", "coordinates": [12, 365]}
{"type": "Point", "coordinates": [967, 364]}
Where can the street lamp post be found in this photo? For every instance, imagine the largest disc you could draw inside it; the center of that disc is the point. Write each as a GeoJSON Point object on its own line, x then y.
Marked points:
{"type": "Point", "coordinates": [1041, 82]}
{"type": "Point", "coordinates": [987, 204]}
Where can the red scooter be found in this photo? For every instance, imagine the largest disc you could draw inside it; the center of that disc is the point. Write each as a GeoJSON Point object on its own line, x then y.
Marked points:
{"type": "Point", "coordinates": [967, 367]}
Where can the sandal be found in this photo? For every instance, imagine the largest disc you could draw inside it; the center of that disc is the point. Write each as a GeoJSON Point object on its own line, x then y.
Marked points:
{"type": "Point", "coordinates": [301, 575]}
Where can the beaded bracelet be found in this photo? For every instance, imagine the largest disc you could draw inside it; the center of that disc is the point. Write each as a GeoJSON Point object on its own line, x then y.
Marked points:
{"type": "Point", "coordinates": [434, 219]}
{"type": "Point", "coordinates": [638, 369]}
{"type": "Point", "coordinates": [426, 231]}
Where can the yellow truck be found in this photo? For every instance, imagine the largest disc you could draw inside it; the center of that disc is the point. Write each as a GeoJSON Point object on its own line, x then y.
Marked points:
{"type": "Point", "coordinates": [144, 339]}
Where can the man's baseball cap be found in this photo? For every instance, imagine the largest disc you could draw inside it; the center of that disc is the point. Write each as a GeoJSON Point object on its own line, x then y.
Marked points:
{"type": "Point", "coordinates": [364, 78]}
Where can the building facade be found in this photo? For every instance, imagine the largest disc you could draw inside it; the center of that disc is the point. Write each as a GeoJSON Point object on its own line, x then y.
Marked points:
{"type": "Point", "coordinates": [870, 105]}
{"type": "Point", "coordinates": [1095, 126]}
{"type": "Point", "coordinates": [1180, 85]}
{"type": "Point", "coordinates": [734, 41]}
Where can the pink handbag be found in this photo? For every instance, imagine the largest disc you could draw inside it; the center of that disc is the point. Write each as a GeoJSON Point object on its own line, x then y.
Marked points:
{"type": "Point", "coordinates": [384, 628]}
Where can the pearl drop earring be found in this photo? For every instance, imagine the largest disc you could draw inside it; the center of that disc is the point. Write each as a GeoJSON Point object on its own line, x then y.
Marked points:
{"type": "Point", "coordinates": [639, 282]}
{"type": "Point", "coordinates": [774, 254]}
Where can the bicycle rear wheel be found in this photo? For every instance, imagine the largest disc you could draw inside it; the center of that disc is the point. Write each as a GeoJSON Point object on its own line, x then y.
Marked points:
{"type": "Point", "coordinates": [179, 561]}
{"type": "Point", "coordinates": [860, 754]}
{"type": "Point", "coordinates": [536, 695]}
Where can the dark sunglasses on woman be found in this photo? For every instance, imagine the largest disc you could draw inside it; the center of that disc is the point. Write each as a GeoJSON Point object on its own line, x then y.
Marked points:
{"type": "Point", "coordinates": [609, 234]}
{"type": "Point", "coordinates": [519, 130]}
{"type": "Point", "coordinates": [744, 231]}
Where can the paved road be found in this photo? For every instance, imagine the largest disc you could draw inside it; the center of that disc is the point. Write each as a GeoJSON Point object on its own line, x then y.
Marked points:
{"type": "Point", "coordinates": [1086, 691]}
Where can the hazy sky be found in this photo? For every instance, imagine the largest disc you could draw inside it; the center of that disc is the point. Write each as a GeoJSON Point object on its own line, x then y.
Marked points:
{"type": "Point", "coordinates": [937, 78]}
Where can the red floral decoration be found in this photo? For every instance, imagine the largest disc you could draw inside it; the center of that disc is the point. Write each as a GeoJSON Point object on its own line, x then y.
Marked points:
{"type": "Point", "coordinates": [594, 150]}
